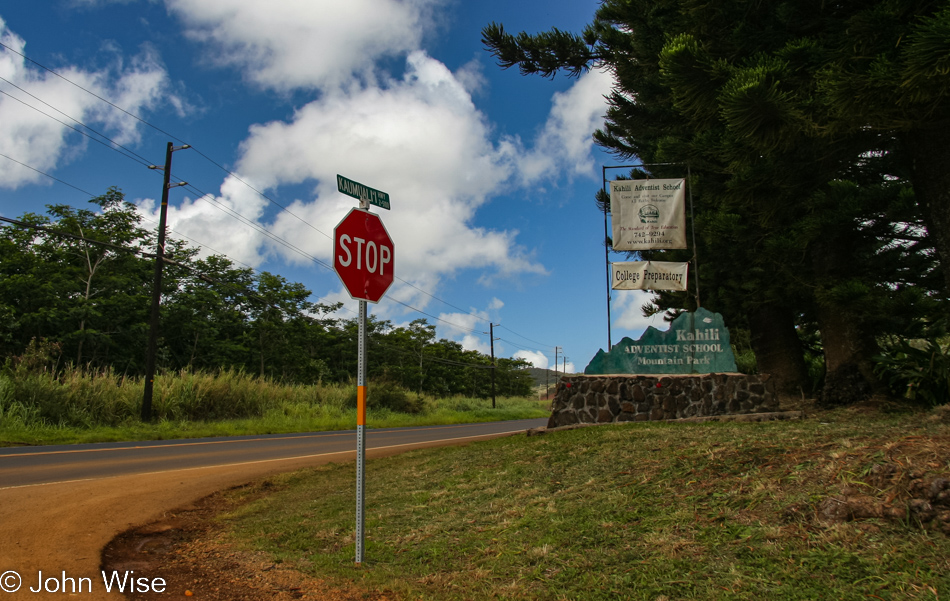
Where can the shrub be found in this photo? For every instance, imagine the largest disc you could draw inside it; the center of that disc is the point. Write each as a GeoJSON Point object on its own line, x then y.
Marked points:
{"type": "Point", "coordinates": [917, 371]}
{"type": "Point", "coordinates": [386, 394]}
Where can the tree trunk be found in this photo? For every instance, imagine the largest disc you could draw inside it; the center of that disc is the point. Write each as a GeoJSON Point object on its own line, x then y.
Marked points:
{"type": "Point", "coordinates": [848, 345]}
{"type": "Point", "coordinates": [930, 155]}
{"type": "Point", "coordinates": [262, 352]}
{"type": "Point", "coordinates": [778, 351]}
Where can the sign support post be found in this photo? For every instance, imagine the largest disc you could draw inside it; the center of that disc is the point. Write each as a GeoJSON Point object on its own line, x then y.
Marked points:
{"type": "Point", "coordinates": [361, 422]}
{"type": "Point", "coordinates": [361, 434]}
{"type": "Point", "coordinates": [607, 247]}
{"type": "Point", "coordinates": [363, 257]}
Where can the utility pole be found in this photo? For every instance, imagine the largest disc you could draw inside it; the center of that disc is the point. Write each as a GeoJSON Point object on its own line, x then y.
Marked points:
{"type": "Point", "coordinates": [157, 283]}
{"type": "Point", "coordinates": [491, 335]}
{"type": "Point", "coordinates": [556, 349]}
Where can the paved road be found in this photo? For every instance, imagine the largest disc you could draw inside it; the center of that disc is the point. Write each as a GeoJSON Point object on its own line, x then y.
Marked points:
{"type": "Point", "coordinates": [26, 466]}
{"type": "Point", "coordinates": [60, 505]}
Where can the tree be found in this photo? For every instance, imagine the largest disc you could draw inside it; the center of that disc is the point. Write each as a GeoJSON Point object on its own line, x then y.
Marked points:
{"type": "Point", "coordinates": [888, 71]}
{"type": "Point", "coordinates": [205, 314]}
{"type": "Point", "coordinates": [709, 83]}
{"type": "Point", "coordinates": [79, 278]}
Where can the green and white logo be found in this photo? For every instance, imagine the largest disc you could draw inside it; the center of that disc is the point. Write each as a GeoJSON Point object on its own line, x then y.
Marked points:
{"type": "Point", "coordinates": [649, 214]}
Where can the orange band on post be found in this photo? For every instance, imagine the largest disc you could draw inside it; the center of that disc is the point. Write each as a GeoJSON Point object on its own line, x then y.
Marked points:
{"type": "Point", "coordinates": [360, 405]}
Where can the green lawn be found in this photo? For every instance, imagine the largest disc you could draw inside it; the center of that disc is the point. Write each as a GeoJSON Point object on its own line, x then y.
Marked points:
{"type": "Point", "coordinates": [289, 417]}
{"type": "Point", "coordinates": [654, 511]}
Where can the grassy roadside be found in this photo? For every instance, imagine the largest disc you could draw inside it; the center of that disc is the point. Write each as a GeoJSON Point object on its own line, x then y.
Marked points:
{"type": "Point", "coordinates": [287, 417]}
{"type": "Point", "coordinates": [654, 511]}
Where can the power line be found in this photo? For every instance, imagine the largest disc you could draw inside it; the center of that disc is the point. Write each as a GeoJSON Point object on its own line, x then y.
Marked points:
{"type": "Point", "coordinates": [91, 195]}
{"type": "Point", "coordinates": [47, 175]}
{"type": "Point", "coordinates": [91, 93]}
{"type": "Point", "coordinates": [525, 337]}
{"type": "Point", "coordinates": [247, 292]}
{"type": "Point", "coordinates": [113, 145]}
{"type": "Point", "coordinates": [115, 148]}
{"type": "Point", "coordinates": [423, 357]}
{"type": "Point", "coordinates": [454, 325]}
{"type": "Point", "coordinates": [204, 277]}
{"type": "Point", "coordinates": [98, 133]}
{"type": "Point", "coordinates": [205, 196]}
{"type": "Point", "coordinates": [209, 198]}
{"type": "Point", "coordinates": [198, 151]}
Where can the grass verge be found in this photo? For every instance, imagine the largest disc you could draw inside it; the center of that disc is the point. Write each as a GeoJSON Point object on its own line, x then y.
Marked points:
{"type": "Point", "coordinates": [284, 417]}
{"type": "Point", "coordinates": [653, 511]}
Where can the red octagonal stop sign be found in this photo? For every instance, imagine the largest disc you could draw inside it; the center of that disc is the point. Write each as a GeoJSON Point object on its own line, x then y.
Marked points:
{"type": "Point", "coordinates": [363, 255]}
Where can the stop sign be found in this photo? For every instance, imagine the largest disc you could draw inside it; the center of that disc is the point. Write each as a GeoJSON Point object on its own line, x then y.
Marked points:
{"type": "Point", "coordinates": [363, 255]}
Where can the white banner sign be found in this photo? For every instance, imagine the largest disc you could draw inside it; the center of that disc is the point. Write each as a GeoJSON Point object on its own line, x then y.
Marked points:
{"type": "Point", "coordinates": [648, 213]}
{"type": "Point", "coordinates": [649, 275]}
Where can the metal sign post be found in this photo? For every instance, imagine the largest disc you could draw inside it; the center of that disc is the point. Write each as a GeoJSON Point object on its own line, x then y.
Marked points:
{"type": "Point", "coordinates": [361, 434]}
{"type": "Point", "coordinates": [361, 422]}
{"type": "Point", "coordinates": [364, 258]}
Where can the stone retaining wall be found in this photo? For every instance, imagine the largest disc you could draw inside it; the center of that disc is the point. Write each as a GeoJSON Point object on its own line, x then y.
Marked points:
{"type": "Point", "coordinates": [626, 398]}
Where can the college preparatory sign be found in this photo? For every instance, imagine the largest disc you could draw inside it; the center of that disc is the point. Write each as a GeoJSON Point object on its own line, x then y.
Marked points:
{"type": "Point", "coordinates": [649, 275]}
{"type": "Point", "coordinates": [648, 213]}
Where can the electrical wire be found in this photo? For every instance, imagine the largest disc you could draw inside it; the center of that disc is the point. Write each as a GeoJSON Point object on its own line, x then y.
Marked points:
{"type": "Point", "coordinates": [47, 175]}
{"type": "Point", "coordinates": [203, 155]}
{"type": "Point", "coordinates": [525, 337]}
{"type": "Point", "coordinates": [204, 277]}
{"type": "Point", "coordinates": [141, 160]}
{"type": "Point", "coordinates": [206, 196]}
{"type": "Point", "coordinates": [428, 358]}
{"type": "Point", "coordinates": [71, 118]}
{"type": "Point", "coordinates": [115, 148]}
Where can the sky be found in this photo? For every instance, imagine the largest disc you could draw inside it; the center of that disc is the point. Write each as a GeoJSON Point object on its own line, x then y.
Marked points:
{"type": "Point", "coordinates": [491, 175]}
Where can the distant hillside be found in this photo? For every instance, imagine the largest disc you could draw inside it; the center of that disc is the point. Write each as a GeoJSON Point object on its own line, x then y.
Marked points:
{"type": "Point", "coordinates": [542, 376]}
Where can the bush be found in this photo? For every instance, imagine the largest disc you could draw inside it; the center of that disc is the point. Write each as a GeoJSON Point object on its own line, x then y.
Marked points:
{"type": "Point", "coordinates": [745, 360]}
{"type": "Point", "coordinates": [386, 394]}
{"type": "Point", "coordinates": [917, 371]}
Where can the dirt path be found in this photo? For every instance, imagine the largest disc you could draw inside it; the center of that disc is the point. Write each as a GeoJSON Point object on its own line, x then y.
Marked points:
{"type": "Point", "coordinates": [64, 527]}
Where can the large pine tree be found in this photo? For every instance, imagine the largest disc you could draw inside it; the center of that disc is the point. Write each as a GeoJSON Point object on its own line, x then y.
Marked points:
{"type": "Point", "coordinates": [795, 222]}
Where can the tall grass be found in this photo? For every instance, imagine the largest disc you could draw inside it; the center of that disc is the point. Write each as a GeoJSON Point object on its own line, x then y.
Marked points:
{"type": "Point", "coordinates": [73, 405]}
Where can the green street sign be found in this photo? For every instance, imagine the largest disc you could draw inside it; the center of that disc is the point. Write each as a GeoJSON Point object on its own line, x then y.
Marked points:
{"type": "Point", "coordinates": [358, 191]}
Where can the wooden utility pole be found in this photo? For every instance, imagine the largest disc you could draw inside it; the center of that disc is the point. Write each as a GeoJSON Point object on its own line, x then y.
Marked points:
{"type": "Point", "coordinates": [491, 336]}
{"type": "Point", "coordinates": [157, 284]}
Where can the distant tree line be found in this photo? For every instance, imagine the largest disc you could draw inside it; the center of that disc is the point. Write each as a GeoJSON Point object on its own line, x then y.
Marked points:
{"type": "Point", "coordinates": [818, 138]}
{"type": "Point", "coordinates": [81, 281]}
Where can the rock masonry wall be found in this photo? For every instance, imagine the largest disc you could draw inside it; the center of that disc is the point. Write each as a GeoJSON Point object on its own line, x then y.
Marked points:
{"type": "Point", "coordinates": [596, 399]}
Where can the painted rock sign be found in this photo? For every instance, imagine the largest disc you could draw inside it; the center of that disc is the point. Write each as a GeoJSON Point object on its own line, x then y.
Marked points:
{"type": "Point", "coordinates": [696, 343]}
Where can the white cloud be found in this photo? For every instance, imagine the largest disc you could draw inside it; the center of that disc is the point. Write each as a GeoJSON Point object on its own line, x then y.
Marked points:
{"type": "Point", "coordinates": [421, 140]}
{"type": "Point", "coordinates": [34, 138]}
{"type": "Point", "coordinates": [565, 142]}
{"type": "Point", "coordinates": [540, 360]}
{"type": "Point", "coordinates": [221, 223]}
{"type": "Point", "coordinates": [535, 358]}
{"type": "Point", "coordinates": [289, 44]}
{"type": "Point", "coordinates": [627, 313]}
{"type": "Point", "coordinates": [419, 137]}
{"type": "Point", "coordinates": [468, 329]}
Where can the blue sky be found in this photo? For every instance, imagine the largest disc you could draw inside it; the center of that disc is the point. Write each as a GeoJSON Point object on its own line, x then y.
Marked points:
{"type": "Point", "coordinates": [491, 174]}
